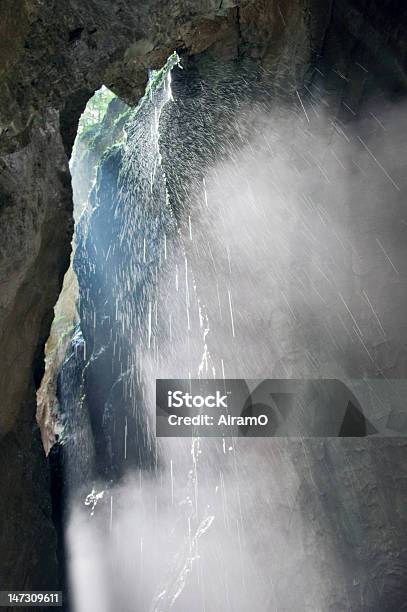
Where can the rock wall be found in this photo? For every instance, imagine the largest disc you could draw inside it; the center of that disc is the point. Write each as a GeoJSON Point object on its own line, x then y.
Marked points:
{"type": "Point", "coordinates": [36, 214]}
{"type": "Point", "coordinates": [61, 52]}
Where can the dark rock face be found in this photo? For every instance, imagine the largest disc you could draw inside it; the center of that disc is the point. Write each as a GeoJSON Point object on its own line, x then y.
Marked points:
{"type": "Point", "coordinates": [36, 217]}
{"type": "Point", "coordinates": [61, 50]}
{"type": "Point", "coordinates": [27, 539]}
{"type": "Point", "coordinates": [52, 57]}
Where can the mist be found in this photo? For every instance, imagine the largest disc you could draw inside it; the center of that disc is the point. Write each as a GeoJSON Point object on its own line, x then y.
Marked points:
{"type": "Point", "coordinates": [287, 260]}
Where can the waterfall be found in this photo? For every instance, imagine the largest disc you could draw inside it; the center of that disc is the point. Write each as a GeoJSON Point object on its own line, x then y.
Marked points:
{"type": "Point", "coordinates": [209, 249]}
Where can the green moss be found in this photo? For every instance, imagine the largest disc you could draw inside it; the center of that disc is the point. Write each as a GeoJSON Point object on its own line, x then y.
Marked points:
{"type": "Point", "coordinates": [101, 127]}
{"type": "Point", "coordinates": [157, 78]}
{"type": "Point", "coordinates": [95, 109]}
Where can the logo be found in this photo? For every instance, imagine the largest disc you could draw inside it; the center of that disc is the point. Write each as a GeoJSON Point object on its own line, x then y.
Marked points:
{"type": "Point", "coordinates": [278, 408]}
{"type": "Point", "coordinates": [178, 399]}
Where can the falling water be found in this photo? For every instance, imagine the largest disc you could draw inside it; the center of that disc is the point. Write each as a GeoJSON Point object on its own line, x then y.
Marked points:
{"type": "Point", "coordinates": [231, 235]}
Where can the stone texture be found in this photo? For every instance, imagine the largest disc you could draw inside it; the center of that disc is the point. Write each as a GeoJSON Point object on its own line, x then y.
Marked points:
{"type": "Point", "coordinates": [61, 50]}
{"type": "Point", "coordinates": [36, 214]}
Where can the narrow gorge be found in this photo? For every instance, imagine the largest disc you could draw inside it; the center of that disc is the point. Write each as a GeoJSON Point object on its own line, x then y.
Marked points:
{"type": "Point", "coordinates": [201, 190]}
